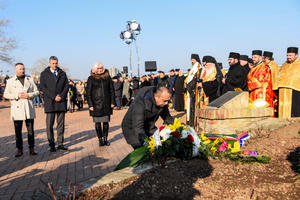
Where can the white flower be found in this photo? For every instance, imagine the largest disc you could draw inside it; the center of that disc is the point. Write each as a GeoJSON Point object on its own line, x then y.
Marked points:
{"type": "Point", "coordinates": [156, 138]}
{"type": "Point", "coordinates": [197, 140]}
{"type": "Point", "coordinates": [165, 133]}
{"type": "Point", "coordinates": [184, 133]}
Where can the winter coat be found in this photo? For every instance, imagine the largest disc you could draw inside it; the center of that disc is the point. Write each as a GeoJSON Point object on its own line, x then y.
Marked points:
{"type": "Point", "coordinates": [125, 91]}
{"type": "Point", "coordinates": [21, 109]}
{"type": "Point", "coordinates": [118, 87]}
{"type": "Point", "coordinates": [139, 121]}
{"type": "Point", "coordinates": [100, 94]}
{"type": "Point", "coordinates": [80, 91]}
{"type": "Point", "coordinates": [52, 86]}
{"type": "Point", "coordinates": [172, 80]}
{"type": "Point", "coordinates": [145, 84]}
{"type": "Point", "coordinates": [134, 86]}
{"type": "Point", "coordinates": [163, 82]}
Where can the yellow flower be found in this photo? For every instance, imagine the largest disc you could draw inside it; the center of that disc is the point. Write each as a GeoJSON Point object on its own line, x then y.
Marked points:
{"type": "Point", "coordinates": [204, 138]}
{"type": "Point", "coordinates": [151, 144]}
{"type": "Point", "coordinates": [214, 150]}
{"type": "Point", "coordinates": [216, 141]}
{"type": "Point", "coordinates": [202, 134]}
{"type": "Point", "coordinates": [206, 141]}
{"type": "Point", "coordinates": [177, 124]}
{"type": "Point", "coordinates": [236, 147]}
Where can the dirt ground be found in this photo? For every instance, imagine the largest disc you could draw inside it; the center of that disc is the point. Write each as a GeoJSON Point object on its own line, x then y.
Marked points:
{"type": "Point", "coordinates": [220, 179]}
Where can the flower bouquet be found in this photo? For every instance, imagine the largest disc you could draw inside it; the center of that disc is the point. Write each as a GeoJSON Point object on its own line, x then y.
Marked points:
{"type": "Point", "coordinates": [178, 140]}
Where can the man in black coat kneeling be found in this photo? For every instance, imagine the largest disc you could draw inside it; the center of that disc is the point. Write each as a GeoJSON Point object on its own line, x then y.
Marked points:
{"type": "Point", "coordinates": [139, 121]}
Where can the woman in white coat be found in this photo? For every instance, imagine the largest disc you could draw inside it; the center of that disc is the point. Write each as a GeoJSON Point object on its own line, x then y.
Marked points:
{"type": "Point", "coordinates": [21, 90]}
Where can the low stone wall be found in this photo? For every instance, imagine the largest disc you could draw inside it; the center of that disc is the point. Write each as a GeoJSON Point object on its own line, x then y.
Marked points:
{"type": "Point", "coordinates": [229, 121]}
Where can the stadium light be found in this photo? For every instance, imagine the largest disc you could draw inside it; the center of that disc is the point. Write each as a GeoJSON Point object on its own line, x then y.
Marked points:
{"type": "Point", "coordinates": [133, 29]}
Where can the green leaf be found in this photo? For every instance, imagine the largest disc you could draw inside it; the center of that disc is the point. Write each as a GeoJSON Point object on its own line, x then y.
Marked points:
{"type": "Point", "coordinates": [133, 158]}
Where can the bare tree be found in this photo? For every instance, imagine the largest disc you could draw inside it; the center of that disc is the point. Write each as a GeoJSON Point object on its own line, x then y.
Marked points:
{"type": "Point", "coordinates": [41, 64]}
{"type": "Point", "coordinates": [6, 44]}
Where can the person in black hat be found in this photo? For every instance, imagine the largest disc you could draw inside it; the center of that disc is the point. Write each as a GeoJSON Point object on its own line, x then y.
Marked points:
{"type": "Point", "coordinates": [209, 81]}
{"type": "Point", "coordinates": [292, 54]}
{"type": "Point", "coordinates": [289, 85]}
{"type": "Point", "coordinates": [269, 60]}
{"type": "Point", "coordinates": [250, 63]}
{"type": "Point", "coordinates": [256, 57]}
{"type": "Point", "coordinates": [191, 87]}
{"type": "Point", "coordinates": [246, 68]}
{"type": "Point", "coordinates": [234, 78]}
{"type": "Point", "coordinates": [195, 58]}
{"type": "Point", "coordinates": [177, 72]}
{"type": "Point", "coordinates": [259, 81]}
{"type": "Point", "coordinates": [244, 61]}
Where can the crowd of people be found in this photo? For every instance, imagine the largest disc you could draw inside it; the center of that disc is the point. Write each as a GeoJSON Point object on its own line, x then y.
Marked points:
{"type": "Point", "coordinates": [150, 96]}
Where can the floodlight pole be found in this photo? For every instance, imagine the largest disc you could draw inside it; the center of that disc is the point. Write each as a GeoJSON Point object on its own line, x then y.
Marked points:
{"type": "Point", "coordinates": [130, 63]}
{"type": "Point", "coordinates": [138, 58]}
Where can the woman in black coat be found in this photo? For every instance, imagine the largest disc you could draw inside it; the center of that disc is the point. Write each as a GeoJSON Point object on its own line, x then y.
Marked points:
{"type": "Point", "coordinates": [101, 100]}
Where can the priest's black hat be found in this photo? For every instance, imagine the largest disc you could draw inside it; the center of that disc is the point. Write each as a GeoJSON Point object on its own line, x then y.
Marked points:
{"type": "Point", "coordinates": [244, 57]}
{"type": "Point", "coordinates": [250, 60]}
{"type": "Point", "coordinates": [177, 70]}
{"type": "Point", "coordinates": [268, 54]}
{"type": "Point", "coordinates": [234, 55]}
{"type": "Point", "coordinates": [292, 50]}
{"type": "Point", "coordinates": [196, 57]}
{"type": "Point", "coordinates": [257, 52]}
{"type": "Point", "coordinates": [220, 65]}
{"type": "Point", "coordinates": [209, 59]}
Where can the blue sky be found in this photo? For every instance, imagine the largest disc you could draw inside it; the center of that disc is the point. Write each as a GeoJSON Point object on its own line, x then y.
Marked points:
{"type": "Point", "coordinates": [81, 33]}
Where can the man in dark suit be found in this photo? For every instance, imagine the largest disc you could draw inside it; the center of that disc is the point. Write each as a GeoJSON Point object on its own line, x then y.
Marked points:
{"type": "Point", "coordinates": [54, 84]}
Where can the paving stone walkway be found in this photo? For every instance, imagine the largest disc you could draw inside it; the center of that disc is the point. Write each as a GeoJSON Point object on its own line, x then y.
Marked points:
{"type": "Point", "coordinates": [21, 178]}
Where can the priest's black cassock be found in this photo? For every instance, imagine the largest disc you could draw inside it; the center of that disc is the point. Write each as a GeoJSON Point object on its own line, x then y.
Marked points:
{"type": "Point", "coordinates": [179, 93]}
{"type": "Point", "coordinates": [235, 78]}
{"type": "Point", "coordinates": [246, 69]}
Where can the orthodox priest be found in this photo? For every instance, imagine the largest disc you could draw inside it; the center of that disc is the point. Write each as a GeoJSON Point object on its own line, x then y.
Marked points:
{"type": "Point", "coordinates": [269, 60]}
{"type": "Point", "coordinates": [234, 78]}
{"type": "Point", "coordinates": [289, 85]}
{"type": "Point", "coordinates": [246, 68]}
{"type": "Point", "coordinates": [191, 82]}
{"type": "Point", "coordinates": [179, 92]}
{"type": "Point", "coordinates": [209, 81]}
{"type": "Point", "coordinates": [260, 81]}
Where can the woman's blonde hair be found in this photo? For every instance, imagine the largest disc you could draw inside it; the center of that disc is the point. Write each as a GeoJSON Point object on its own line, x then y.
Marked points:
{"type": "Point", "coordinates": [96, 65]}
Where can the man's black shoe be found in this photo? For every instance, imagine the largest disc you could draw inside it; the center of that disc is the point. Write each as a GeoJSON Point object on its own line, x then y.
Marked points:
{"type": "Point", "coordinates": [62, 148]}
{"type": "Point", "coordinates": [19, 153]}
{"type": "Point", "coordinates": [52, 149]}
